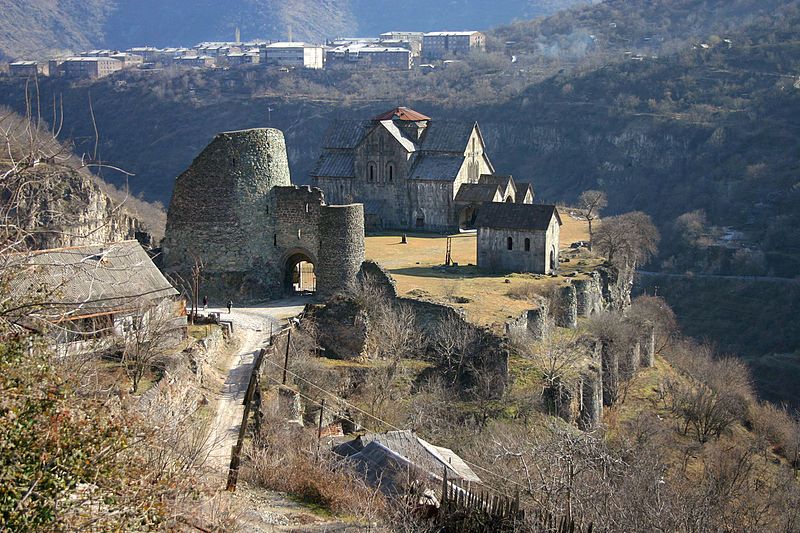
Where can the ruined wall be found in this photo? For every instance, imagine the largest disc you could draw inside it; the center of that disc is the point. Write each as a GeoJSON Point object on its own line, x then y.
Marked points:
{"type": "Point", "coordinates": [589, 293]}
{"type": "Point", "coordinates": [342, 327]}
{"type": "Point", "coordinates": [373, 272]}
{"type": "Point", "coordinates": [567, 312]}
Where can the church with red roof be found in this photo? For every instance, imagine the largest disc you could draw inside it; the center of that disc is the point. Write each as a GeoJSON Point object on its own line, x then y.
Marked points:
{"type": "Point", "coordinates": [412, 172]}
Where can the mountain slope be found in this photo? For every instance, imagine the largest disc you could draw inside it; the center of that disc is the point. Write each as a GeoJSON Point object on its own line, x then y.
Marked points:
{"type": "Point", "coordinates": [34, 28]}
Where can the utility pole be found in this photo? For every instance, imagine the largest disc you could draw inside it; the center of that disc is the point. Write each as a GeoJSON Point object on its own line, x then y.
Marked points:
{"type": "Point", "coordinates": [319, 426]}
{"type": "Point", "coordinates": [448, 259]}
{"type": "Point", "coordinates": [286, 357]}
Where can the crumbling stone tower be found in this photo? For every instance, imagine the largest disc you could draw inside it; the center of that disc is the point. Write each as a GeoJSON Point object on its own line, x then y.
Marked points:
{"type": "Point", "coordinates": [236, 210]}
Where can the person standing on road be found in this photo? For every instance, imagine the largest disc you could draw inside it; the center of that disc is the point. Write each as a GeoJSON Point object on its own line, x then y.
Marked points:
{"type": "Point", "coordinates": [230, 305]}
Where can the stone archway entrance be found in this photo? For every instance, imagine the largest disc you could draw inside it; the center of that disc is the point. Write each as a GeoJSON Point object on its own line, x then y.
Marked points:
{"type": "Point", "coordinates": [298, 273]}
{"type": "Point", "coordinates": [467, 216]}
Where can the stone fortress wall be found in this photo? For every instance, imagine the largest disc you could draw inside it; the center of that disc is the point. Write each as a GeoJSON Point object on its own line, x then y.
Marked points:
{"type": "Point", "coordinates": [236, 210]}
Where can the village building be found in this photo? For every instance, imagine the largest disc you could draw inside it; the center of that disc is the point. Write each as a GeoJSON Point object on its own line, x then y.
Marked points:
{"type": "Point", "coordinates": [243, 58]}
{"type": "Point", "coordinates": [24, 69]}
{"type": "Point", "coordinates": [293, 55]}
{"type": "Point", "coordinates": [412, 172]}
{"type": "Point", "coordinates": [216, 49]}
{"type": "Point", "coordinates": [95, 293]}
{"type": "Point", "coordinates": [440, 45]}
{"type": "Point", "coordinates": [393, 460]}
{"type": "Point", "coordinates": [411, 40]}
{"type": "Point", "coordinates": [516, 237]}
{"type": "Point", "coordinates": [84, 67]}
{"type": "Point", "coordinates": [364, 55]}
{"type": "Point", "coordinates": [128, 60]}
{"type": "Point", "coordinates": [192, 61]}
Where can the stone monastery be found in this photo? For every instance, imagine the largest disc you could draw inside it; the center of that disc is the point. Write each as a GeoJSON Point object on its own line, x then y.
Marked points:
{"type": "Point", "coordinates": [236, 211]}
{"type": "Point", "coordinates": [412, 172]}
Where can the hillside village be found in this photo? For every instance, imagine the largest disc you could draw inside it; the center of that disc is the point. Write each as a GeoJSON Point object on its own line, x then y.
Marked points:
{"type": "Point", "coordinates": [403, 336]}
{"type": "Point", "coordinates": [391, 50]}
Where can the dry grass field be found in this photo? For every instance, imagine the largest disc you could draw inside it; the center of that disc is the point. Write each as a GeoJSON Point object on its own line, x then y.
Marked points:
{"type": "Point", "coordinates": [417, 268]}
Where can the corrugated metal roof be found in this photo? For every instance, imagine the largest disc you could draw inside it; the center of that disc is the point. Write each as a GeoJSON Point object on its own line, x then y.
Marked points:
{"type": "Point", "coordinates": [91, 279]}
{"type": "Point", "coordinates": [436, 167]}
{"type": "Point", "coordinates": [399, 447]}
{"type": "Point", "coordinates": [447, 136]}
{"type": "Point", "coordinates": [516, 216]}
{"type": "Point", "coordinates": [402, 113]}
{"type": "Point", "coordinates": [346, 134]}
{"type": "Point", "coordinates": [335, 165]}
{"type": "Point", "coordinates": [479, 193]}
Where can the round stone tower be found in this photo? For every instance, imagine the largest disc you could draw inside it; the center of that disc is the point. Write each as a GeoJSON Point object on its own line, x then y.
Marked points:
{"type": "Point", "coordinates": [341, 248]}
{"type": "Point", "coordinates": [219, 213]}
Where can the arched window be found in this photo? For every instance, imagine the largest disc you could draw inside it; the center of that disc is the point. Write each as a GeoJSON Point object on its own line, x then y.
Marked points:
{"type": "Point", "coordinates": [509, 200]}
{"type": "Point", "coordinates": [274, 239]}
{"type": "Point", "coordinates": [390, 172]}
{"type": "Point", "coordinates": [299, 234]}
{"type": "Point", "coordinates": [308, 209]}
{"type": "Point", "coordinates": [527, 245]}
{"type": "Point", "coordinates": [371, 172]}
{"type": "Point", "coordinates": [510, 243]}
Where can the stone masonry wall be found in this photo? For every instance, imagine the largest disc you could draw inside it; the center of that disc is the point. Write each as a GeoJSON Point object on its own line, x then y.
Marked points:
{"type": "Point", "coordinates": [236, 210]}
{"type": "Point", "coordinates": [217, 212]}
{"type": "Point", "coordinates": [341, 252]}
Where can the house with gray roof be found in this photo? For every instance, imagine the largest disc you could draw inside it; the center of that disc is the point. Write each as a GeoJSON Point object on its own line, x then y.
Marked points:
{"type": "Point", "coordinates": [80, 295]}
{"type": "Point", "coordinates": [411, 172]}
{"type": "Point", "coordinates": [518, 237]}
{"type": "Point", "coordinates": [393, 459]}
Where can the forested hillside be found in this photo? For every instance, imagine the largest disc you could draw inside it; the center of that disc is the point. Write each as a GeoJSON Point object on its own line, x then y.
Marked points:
{"type": "Point", "coordinates": [35, 28]}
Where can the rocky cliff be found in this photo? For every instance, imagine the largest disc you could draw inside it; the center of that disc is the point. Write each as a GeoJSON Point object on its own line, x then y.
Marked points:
{"type": "Point", "coordinates": [61, 207]}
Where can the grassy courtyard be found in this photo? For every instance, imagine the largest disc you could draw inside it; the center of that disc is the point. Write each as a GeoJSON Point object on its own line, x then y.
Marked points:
{"type": "Point", "coordinates": [488, 299]}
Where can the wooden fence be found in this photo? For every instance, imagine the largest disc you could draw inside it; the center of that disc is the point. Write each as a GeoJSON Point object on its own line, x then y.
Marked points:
{"type": "Point", "coordinates": [466, 509]}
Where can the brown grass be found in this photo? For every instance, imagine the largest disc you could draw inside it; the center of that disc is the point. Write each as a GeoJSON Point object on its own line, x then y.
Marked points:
{"type": "Point", "coordinates": [286, 459]}
{"type": "Point", "coordinates": [489, 300]}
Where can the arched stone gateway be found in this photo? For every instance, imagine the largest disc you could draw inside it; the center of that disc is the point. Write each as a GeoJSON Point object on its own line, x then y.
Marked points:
{"type": "Point", "coordinates": [299, 272]}
{"type": "Point", "coordinates": [259, 237]}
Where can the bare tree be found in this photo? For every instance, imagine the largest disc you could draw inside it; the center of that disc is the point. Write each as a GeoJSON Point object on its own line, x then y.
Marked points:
{"type": "Point", "coordinates": [556, 355]}
{"type": "Point", "coordinates": [713, 394]}
{"type": "Point", "coordinates": [153, 331]}
{"type": "Point", "coordinates": [630, 239]}
{"type": "Point", "coordinates": [655, 312]}
{"type": "Point", "coordinates": [592, 202]}
{"type": "Point", "coordinates": [453, 341]}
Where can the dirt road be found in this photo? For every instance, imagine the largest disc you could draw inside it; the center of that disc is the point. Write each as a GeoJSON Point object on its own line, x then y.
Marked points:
{"type": "Point", "coordinates": [251, 326]}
